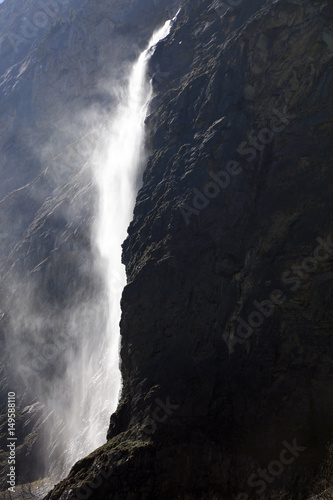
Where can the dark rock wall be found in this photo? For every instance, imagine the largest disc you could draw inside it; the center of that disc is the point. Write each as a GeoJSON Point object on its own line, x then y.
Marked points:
{"type": "Point", "coordinates": [227, 315]}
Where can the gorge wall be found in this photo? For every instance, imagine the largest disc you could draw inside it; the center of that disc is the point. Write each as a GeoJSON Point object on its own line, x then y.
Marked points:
{"type": "Point", "coordinates": [227, 316]}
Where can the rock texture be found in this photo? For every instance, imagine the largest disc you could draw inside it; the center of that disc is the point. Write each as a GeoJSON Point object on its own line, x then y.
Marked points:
{"type": "Point", "coordinates": [59, 61]}
{"type": "Point", "coordinates": [227, 315]}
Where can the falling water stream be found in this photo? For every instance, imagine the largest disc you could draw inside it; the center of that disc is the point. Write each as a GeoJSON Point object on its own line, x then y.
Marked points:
{"type": "Point", "coordinates": [116, 179]}
{"type": "Point", "coordinates": [67, 356]}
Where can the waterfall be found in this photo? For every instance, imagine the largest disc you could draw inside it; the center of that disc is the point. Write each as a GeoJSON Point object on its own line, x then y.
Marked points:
{"type": "Point", "coordinates": [97, 382]}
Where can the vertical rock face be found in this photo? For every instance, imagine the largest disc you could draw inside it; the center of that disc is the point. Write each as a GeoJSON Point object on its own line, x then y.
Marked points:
{"type": "Point", "coordinates": [59, 63]}
{"type": "Point", "coordinates": [227, 315]}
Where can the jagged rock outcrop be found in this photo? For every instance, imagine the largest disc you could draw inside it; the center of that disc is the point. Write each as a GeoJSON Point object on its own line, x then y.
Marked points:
{"type": "Point", "coordinates": [227, 316]}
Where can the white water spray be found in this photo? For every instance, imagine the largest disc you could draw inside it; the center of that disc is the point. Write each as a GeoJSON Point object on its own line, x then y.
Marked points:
{"type": "Point", "coordinates": [68, 355]}
{"type": "Point", "coordinates": [116, 179]}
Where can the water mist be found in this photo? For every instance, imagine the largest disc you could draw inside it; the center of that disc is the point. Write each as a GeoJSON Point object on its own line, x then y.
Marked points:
{"type": "Point", "coordinates": [95, 377]}
{"type": "Point", "coordinates": [67, 356]}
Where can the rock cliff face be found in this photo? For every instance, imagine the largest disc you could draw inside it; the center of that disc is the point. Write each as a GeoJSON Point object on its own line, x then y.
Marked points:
{"type": "Point", "coordinates": [227, 316]}
{"type": "Point", "coordinates": [59, 62]}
